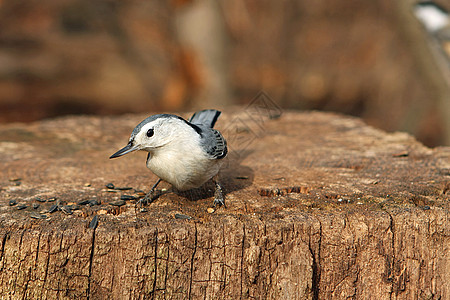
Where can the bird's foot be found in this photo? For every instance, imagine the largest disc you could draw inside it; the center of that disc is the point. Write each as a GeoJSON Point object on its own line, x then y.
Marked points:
{"type": "Point", "coordinates": [218, 196]}
{"type": "Point", "coordinates": [149, 198]}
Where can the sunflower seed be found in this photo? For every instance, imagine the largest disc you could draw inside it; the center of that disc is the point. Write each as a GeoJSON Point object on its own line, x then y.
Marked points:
{"type": "Point", "coordinates": [139, 193]}
{"type": "Point", "coordinates": [21, 206]}
{"type": "Point", "coordinates": [110, 186]}
{"type": "Point", "coordinates": [53, 208]}
{"type": "Point", "coordinates": [12, 202]}
{"type": "Point", "coordinates": [66, 209]}
{"type": "Point", "coordinates": [84, 202]}
{"type": "Point", "coordinates": [127, 197]}
{"type": "Point", "coordinates": [118, 203]}
{"type": "Point", "coordinates": [36, 215]}
{"type": "Point", "coordinates": [125, 188]}
{"type": "Point", "coordinates": [182, 217]}
{"type": "Point", "coordinates": [94, 222]}
{"type": "Point", "coordinates": [94, 202]}
{"type": "Point", "coordinates": [74, 206]}
{"type": "Point", "coordinates": [35, 205]}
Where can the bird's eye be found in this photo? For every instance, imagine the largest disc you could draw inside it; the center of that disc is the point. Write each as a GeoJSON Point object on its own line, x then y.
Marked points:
{"type": "Point", "coordinates": [150, 132]}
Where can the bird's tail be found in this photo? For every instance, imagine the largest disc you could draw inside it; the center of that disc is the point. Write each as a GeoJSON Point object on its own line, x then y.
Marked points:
{"type": "Point", "coordinates": [207, 117]}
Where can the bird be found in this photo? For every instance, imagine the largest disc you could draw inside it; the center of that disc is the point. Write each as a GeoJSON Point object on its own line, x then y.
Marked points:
{"type": "Point", "coordinates": [436, 20]}
{"type": "Point", "coordinates": [184, 153]}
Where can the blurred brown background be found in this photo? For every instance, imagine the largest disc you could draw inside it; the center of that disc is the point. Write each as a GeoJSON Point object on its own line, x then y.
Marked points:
{"type": "Point", "coordinates": [364, 58]}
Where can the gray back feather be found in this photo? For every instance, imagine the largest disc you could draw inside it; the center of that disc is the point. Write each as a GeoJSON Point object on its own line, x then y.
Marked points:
{"type": "Point", "coordinates": [212, 141]}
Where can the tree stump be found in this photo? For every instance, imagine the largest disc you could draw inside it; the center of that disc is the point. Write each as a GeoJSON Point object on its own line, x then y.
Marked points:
{"type": "Point", "coordinates": [318, 206]}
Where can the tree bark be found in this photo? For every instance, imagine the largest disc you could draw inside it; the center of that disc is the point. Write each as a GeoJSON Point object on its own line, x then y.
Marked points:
{"type": "Point", "coordinates": [318, 206]}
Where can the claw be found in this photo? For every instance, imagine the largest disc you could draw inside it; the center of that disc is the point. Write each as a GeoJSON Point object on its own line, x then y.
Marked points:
{"type": "Point", "coordinates": [218, 201]}
{"type": "Point", "coordinates": [218, 195]}
{"type": "Point", "coordinates": [149, 198]}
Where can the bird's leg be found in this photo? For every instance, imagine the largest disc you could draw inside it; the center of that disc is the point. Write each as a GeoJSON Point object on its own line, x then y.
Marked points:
{"type": "Point", "coordinates": [218, 194]}
{"type": "Point", "coordinates": [149, 197]}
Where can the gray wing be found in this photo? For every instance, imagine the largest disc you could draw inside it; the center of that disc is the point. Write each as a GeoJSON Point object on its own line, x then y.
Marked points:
{"type": "Point", "coordinates": [213, 143]}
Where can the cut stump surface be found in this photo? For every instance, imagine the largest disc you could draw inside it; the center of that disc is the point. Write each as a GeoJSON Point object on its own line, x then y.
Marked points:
{"type": "Point", "coordinates": [318, 206]}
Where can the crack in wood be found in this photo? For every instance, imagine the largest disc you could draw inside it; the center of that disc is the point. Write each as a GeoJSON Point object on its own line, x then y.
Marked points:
{"type": "Point", "coordinates": [155, 263]}
{"type": "Point", "coordinates": [47, 263]}
{"type": "Point", "coordinates": [5, 237]}
{"type": "Point", "coordinates": [391, 270]}
{"type": "Point", "coordinates": [192, 262]}
{"type": "Point", "coordinates": [20, 260]}
{"type": "Point", "coordinates": [242, 259]}
{"type": "Point", "coordinates": [167, 269]}
{"type": "Point", "coordinates": [316, 263]}
{"type": "Point", "coordinates": [91, 259]}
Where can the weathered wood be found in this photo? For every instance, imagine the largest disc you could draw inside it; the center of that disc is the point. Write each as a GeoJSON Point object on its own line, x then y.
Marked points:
{"type": "Point", "coordinates": [319, 206]}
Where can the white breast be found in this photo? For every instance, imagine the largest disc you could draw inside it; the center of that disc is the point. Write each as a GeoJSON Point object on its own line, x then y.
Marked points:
{"type": "Point", "coordinates": [183, 164]}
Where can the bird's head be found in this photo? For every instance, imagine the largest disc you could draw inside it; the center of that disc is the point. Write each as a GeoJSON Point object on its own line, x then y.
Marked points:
{"type": "Point", "coordinates": [156, 132]}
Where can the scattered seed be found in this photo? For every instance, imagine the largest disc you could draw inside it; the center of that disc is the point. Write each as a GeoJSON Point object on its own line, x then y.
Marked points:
{"type": "Point", "coordinates": [111, 191]}
{"type": "Point", "coordinates": [87, 184]}
{"type": "Point", "coordinates": [36, 205]}
{"type": "Point", "coordinates": [12, 202]}
{"type": "Point", "coordinates": [84, 202]}
{"type": "Point", "coordinates": [426, 207]}
{"type": "Point", "coordinates": [51, 199]}
{"type": "Point", "coordinates": [40, 199]}
{"type": "Point", "coordinates": [94, 202]}
{"type": "Point", "coordinates": [163, 190]}
{"type": "Point", "coordinates": [182, 217]}
{"type": "Point", "coordinates": [210, 210]}
{"type": "Point", "coordinates": [15, 179]}
{"type": "Point", "coordinates": [140, 194]}
{"type": "Point", "coordinates": [94, 222]}
{"type": "Point", "coordinates": [35, 215]}
{"type": "Point", "coordinates": [118, 203]}
{"type": "Point", "coordinates": [110, 186]}
{"type": "Point", "coordinates": [74, 206]}
{"type": "Point", "coordinates": [21, 206]}
{"type": "Point", "coordinates": [401, 154]}
{"type": "Point", "coordinates": [125, 188]}
{"type": "Point", "coordinates": [53, 208]}
{"type": "Point", "coordinates": [66, 209]}
{"type": "Point", "coordinates": [241, 177]}
{"type": "Point", "coordinates": [127, 197]}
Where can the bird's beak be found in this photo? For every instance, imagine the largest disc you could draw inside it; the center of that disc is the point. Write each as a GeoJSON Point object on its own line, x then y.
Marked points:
{"type": "Point", "coordinates": [127, 149]}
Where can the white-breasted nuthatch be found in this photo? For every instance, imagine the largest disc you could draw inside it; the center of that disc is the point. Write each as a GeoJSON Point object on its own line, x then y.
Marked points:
{"type": "Point", "coordinates": [183, 153]}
